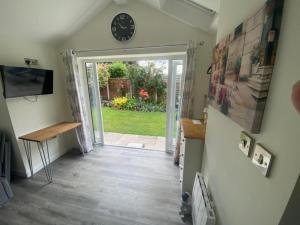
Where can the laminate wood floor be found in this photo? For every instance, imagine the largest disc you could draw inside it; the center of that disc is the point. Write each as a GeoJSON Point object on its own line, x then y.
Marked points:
{"type": "Point", "coordinates": [110, 186]}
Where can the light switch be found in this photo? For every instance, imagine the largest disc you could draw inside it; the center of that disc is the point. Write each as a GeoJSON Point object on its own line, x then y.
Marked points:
{"type": "Point", "coordinates": [262, 159]}
{"type": "Point", "coordinates": [246, 143]}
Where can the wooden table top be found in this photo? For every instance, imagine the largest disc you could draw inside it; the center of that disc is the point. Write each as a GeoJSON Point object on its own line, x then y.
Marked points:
{"type": "Point", "coordinates": [50, 132]}
{"type": "Point", "coordinates": [193, 131]}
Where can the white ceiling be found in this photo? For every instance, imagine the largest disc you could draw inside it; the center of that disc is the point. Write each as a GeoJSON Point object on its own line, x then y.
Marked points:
{"type": "Point", "coordinates": [52, 21]}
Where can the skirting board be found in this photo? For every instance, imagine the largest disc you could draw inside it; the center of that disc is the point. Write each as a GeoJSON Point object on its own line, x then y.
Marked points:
{"type": "Point", "coordinates": [37, 167]}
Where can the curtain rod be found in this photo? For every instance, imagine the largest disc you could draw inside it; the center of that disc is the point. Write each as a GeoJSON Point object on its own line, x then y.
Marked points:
{"type": "Point", "coordinates": [135, 48]}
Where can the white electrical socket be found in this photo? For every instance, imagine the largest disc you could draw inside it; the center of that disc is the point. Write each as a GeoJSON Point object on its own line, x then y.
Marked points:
{"type": "Point", "coordinates": [262, 159]}
{"type": "Point", "coordinates": [246, 143]}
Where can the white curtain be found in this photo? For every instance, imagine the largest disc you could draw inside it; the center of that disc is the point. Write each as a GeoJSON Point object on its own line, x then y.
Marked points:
{"type": "Point", "coordinates": [76, 100]}
{"type": "Point", "coordinates": [187, 102]}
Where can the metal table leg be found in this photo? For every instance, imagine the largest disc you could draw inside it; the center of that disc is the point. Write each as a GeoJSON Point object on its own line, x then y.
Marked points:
{"type": "Point", "coordinates": [45, 156]}
{"type": "Point", "coordinates": [27, 147]}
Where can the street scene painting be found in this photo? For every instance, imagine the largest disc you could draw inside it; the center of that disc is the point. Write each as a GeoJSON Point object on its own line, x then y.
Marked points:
{"type": "Point", "coordinates": [242, 67]}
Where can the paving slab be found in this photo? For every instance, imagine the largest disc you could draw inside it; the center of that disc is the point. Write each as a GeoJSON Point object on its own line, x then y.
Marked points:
{"type": "Point", "coordinates": [135, 141]}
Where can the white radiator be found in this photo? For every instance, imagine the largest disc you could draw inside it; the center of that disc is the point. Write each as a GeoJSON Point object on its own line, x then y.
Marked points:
{"type": "Point", "coordinates": [202, 207]}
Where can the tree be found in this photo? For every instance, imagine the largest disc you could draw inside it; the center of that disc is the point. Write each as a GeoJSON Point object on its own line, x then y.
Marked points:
{"type": "Point", "coordinates": [137, 75]}
{"type": "Point", "coordinates": [155, 84]}
{"type": "Point", "coordinates": [103, 74]}
{"type": "Point", "coordinates": [118, 70]}
{"type": "Point", "coordinates": [149, 79]}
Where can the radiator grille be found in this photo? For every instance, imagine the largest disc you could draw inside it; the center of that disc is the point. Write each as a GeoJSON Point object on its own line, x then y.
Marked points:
{"type": "Point", "coordinates": [202, 207]}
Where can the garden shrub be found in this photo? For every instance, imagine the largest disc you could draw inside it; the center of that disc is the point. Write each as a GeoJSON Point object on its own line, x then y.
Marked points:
{"type": "Point", "coordinates": [148, 79]}
{"type": "Point", "coordinates": [137, 75]}
{"type": "Point", "coordinates": [150, 107]}
{"type": "Point", "coordinates": [119, 102]}
{"type": "Point", "coordinates": [118, 70]}
{"type": "Point", "coordinates": [134, 104]}
{"type": "Point", "coordinates": [131, 105]}
{"type": "Point", "coordinates": [103, 74]}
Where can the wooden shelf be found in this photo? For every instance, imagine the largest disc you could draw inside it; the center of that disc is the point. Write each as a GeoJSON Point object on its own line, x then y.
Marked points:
{"type": "Point", "coordinates": [193, 131]}
{"type": "Point", "coordinates": [50, 132]}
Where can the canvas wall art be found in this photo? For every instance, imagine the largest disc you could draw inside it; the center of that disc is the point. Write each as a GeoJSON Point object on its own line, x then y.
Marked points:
{"type": "Point", "coordinates": [242, 67]}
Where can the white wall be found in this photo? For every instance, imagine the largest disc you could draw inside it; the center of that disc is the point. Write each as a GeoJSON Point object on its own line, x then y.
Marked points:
{"type": "Point", "coordinates": [7, 128]}
{"type": "Point", "coordinates": [242, 195]}
{"type": "Point", "coordinates": [49, 109]}
{"type": "Point", "coordinates": [153, 28]}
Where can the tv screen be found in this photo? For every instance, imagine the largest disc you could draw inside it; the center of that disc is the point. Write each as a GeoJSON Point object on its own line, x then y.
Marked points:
{"type": "Point", "coordinates": [20, 81]}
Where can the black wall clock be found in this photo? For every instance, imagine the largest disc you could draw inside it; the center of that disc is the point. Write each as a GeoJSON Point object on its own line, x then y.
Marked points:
{"type": "Point", "coordinates": [122, 27]}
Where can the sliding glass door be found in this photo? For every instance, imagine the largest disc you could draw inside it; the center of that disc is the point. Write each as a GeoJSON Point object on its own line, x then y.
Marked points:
{"type": "Point", "coordinates": [173, 77]}
{"type": "Point", "coordinates": [95, 101]}
{"type": "Point", "coordinates": [174, 93]}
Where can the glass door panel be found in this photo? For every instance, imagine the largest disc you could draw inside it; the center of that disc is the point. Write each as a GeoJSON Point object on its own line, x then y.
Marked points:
{"type": "Point", "coordinates": [173, 102]}
{"type": "Point", "coordinates": [95, 101]}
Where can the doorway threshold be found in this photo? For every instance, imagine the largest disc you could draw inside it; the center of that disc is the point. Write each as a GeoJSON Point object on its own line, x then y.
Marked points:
{"type": "Point", "coordinates": [145, 142]}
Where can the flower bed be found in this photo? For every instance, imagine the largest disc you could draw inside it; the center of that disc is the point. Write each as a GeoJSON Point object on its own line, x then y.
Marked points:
{"type": "Point", "coordinates": [134, 104]}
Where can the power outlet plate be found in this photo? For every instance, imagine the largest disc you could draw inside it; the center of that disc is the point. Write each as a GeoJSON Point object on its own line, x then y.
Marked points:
{"type": "Point", "coordinates": [262, 159]}
{"type": "Point", "coordinates": [246, 143]}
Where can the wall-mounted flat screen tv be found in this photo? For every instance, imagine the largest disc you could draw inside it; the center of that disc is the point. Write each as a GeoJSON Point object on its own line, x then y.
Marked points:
{"type": "Point", "coordinates": [22, 81]}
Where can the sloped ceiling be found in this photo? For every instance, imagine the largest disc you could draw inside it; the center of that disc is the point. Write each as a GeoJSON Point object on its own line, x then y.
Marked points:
{"type": "Point", "coordinates": [211, 4]}
{"type": "Point", "coordinates": [46, 20]}
{"type": "Point", "coordinates": [197, 13]}
{"type": "Point", "coordinates": [52, 21]}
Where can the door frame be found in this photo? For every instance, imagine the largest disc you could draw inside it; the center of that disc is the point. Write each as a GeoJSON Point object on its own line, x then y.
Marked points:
{"type": "Point", "coordinates": [135, 57]}
{"type": "Point", "coordinates": [98, 102]}
{"type": "Point", "coordinates": [171, 101]}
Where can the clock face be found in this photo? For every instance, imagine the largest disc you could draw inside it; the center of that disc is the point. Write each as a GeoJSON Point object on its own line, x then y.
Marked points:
{"type": "Point", "coordinates": [122, 27]}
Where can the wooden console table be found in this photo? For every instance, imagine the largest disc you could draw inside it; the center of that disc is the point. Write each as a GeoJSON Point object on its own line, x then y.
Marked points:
{"type": "Point", "coordinates": [41, 137]}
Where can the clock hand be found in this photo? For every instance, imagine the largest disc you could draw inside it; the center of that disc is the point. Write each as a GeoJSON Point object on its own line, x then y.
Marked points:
{"type": "Point", "coordinates": [122, 26]}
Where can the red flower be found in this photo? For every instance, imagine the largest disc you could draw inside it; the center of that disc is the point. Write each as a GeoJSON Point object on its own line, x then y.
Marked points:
{"type": "Point", "coordinates": [144, 94]}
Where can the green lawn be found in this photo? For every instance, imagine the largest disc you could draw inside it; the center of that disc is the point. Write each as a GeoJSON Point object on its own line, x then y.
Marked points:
{"type": "Point", "coordinates": [131, 122]}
